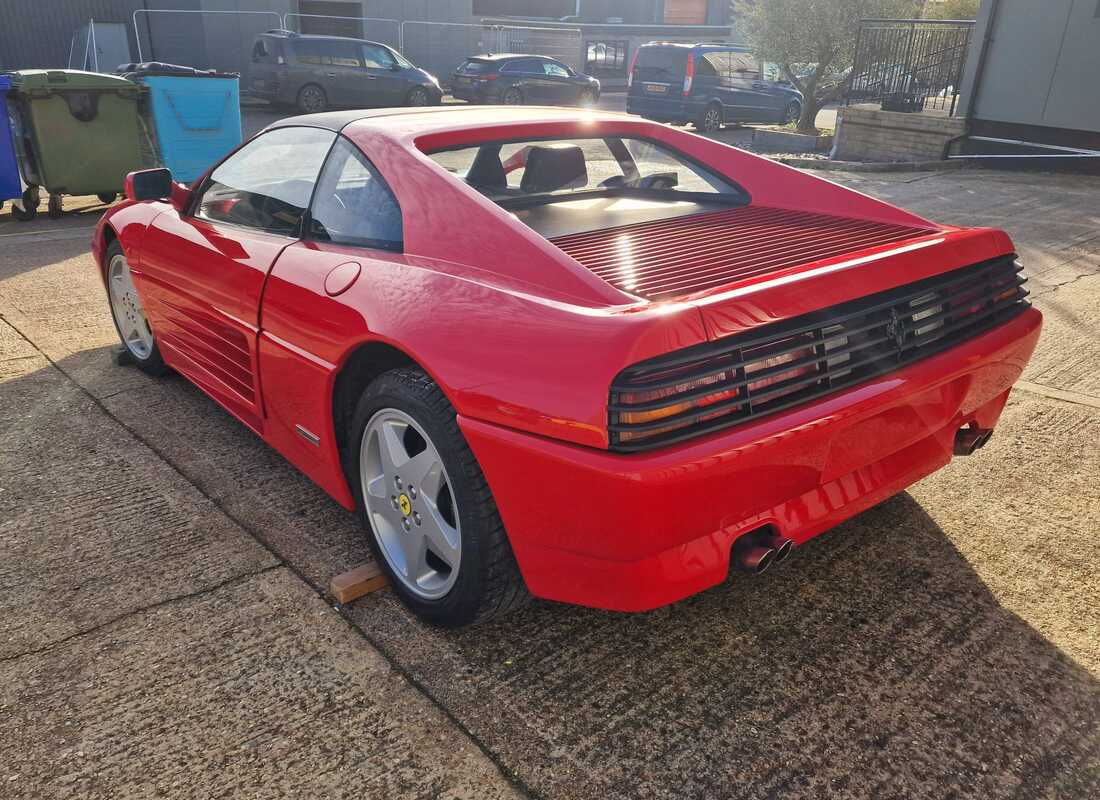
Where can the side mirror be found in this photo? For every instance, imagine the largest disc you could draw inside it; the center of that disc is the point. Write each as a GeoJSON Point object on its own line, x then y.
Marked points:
{"type": "Point", "coordinates": [148, 184]}
{"type": "Point", "coordinates": [395, 67]}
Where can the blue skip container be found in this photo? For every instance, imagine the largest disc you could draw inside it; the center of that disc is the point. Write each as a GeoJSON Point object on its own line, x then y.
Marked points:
{"type": "Point", "coordinates": [196, 115]}
{"type": "Point", "coordinates": [10, 185]}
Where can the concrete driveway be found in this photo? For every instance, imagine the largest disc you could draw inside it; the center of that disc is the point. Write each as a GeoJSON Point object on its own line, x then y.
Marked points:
{"type": "Point", "coordinates": [163, 631]}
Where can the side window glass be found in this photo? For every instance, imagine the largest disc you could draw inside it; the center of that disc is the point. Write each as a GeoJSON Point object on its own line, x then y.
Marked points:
{"type": "Point", "coordinates": [307, 52]}
{"type": "Point", "coordinates": [744, 66]}
{"type": "Point", "coordinates": [353, 204]}
{"type": "Point", "coordinates": [267, 183]}
{"type": "Point", "coordinates": [376, 57]}
{"type": "Point", "coordinates": [557, 70]}
{"type": "Point", "coordinates": [344, 54]}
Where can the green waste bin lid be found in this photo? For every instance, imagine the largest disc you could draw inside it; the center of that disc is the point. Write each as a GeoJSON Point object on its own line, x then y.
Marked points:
{"type": "Point", "coordinates": [72, 80]}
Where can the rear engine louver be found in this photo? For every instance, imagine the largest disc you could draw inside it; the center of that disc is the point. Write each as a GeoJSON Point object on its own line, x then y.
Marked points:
{"type": "Point", "coordinates": [676, 257]}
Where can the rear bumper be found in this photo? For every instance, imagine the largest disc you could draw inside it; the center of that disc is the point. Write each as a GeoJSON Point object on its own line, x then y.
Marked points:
{"type": "Point", "coordinates": [634, 532]}
{"type": "Point", "coordinates": [663, 109]}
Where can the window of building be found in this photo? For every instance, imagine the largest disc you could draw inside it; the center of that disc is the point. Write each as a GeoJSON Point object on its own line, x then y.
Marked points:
{"type": "Point", "coordinates": [606, 57]}
{"type": "Point", "coordinates": [553, 9]}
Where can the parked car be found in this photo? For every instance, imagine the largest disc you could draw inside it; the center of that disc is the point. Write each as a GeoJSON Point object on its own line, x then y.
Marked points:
{"type": "Point", "coordinates": [315, 73]}
{"type": "Point", "coordinates": [514, 79]}
{"type": "Point", "coordinates": [582, 357]}
{"type": "Point", "coordinates": [707, 85]}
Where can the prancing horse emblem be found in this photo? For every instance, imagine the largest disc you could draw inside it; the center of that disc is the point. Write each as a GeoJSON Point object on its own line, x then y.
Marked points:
{"type": "Point", "coordinates": [895, 329]}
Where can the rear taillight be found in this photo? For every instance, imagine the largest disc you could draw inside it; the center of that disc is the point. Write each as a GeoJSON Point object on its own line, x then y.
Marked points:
{"type": "Point", "coordinates": [689, 73]}
{"type": "Point", "coordinates": [492, 76]}
{"type": "Point", "coordinates": [633, 63]}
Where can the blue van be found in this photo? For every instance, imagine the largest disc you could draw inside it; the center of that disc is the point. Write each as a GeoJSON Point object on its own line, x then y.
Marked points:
{"type": "Point", "coordinates": [706, 84]}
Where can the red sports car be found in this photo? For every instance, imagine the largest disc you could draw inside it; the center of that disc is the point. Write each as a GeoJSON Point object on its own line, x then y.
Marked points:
{"type": "Point", "coordinates": [574, 355]}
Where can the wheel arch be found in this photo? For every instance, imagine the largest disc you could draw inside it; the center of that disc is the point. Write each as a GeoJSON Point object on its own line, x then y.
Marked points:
{"type": "Point", "coordinates": [365, 362]}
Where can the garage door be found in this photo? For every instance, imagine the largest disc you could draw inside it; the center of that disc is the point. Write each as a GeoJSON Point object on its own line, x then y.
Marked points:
{"type": "Point", "coordinates": [685, 12]}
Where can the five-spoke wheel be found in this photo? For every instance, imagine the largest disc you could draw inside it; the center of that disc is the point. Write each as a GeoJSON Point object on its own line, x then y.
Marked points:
{"type": "Point", "coordinates": [410, 503]}
{"type": "Point", "coordinates": [129, 314]}
{"type": "Point", "coordinates": [433, 525]}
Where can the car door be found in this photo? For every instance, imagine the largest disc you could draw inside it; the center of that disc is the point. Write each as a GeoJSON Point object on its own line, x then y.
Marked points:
{"type": "Point", "coordinates": [528, 75]}
{"type": "Point", "coordinates": [202, 272]}
{"type": "Point", "coordinates": [750, 100]}
{"type": "Point", "coordinates": [343, 71]}
{"type": "Point", "coordinates": [354, 238]}
{"type": "Point", "coordinates": [560, 84]}
{"type": "Point", "coordinates": [383, 84]}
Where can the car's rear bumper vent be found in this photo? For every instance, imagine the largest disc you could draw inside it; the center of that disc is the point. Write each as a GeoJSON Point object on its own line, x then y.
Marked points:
{"type": "Point", "coordinates": [676, 257]}
{"type": "Point", "coordinates": [777, 366]}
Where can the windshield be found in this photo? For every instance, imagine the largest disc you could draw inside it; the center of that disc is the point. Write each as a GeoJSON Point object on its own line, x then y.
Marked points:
{"type": "Point", "coordinates": [537, 172]}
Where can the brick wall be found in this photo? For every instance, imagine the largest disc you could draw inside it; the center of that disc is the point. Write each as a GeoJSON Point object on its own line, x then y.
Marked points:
{"type": "Point", "coordinates": [869, 134]}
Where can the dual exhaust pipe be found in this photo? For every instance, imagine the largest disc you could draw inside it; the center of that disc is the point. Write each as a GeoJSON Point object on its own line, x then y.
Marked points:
{"type": "Point", "coordinates": [971, 439]}
{"type": "Point", "coordinates": [756, 551]}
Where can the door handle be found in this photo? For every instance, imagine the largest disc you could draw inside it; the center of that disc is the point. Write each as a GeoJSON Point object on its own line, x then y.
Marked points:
{"type": "Point", "coordinates": [331, 74]}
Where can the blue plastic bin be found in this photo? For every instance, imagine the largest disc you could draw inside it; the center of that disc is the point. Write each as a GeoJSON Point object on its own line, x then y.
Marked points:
{"type": "Point", "coordinates": [197, 119]}
{"type": "Point", "coordinates": [10, 185]}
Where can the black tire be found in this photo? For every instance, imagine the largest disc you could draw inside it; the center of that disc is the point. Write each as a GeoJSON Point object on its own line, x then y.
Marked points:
{"type": "Point", "coordinates": [311, 99]}
{"type": "Point", "coordinates": [30, 206]}
{"type": "Point", "coordinates": [512, 97]}
{"type": "Point", "coordinates": [53, 206]}
{"type": "Point", "coordinates": [418, 96]}
{"type": "Point", "coordinates": [710, 118]}
{"type": "Point", "coordinates": [793, 112]}
{"type": "Point", "coordinates": [488, 583]}
{"type": "Point", "coordinates": [107, 197]}
{"type": "Point", "coordinates": [152, 364]}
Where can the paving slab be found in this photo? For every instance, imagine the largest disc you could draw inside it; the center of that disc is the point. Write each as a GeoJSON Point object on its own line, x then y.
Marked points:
{"type": "Point", "coordinates": [253, 689]}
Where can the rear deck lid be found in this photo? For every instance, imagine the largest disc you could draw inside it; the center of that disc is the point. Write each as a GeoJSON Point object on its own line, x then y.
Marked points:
{"type": "Point", "coordinates": [683, 257]}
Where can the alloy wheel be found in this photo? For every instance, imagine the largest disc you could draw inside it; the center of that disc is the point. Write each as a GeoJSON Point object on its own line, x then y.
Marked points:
{"type": "Point", "coordinates": [128, 312]}
{"type": "Point", "coordinates": [794, 111]}
{"type": "Point", "coordinates": [410, 503]}
{"type": "Point", "coordinates": [512, 97]}
{"type": "Point", "coordinates": [312, 99]}
{"type": "Point", "coordinates": [418, 97]}
{"type": "Point", "coordinates": [712, 119]}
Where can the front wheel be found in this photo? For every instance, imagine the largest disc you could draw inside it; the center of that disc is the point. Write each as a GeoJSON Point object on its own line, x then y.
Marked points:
{"type": "Point", "coordinates": [793, 112]}
{"type": "Point", "coordinates": [428, 511]}
{"type": "Point", "coordinates": [710, 119]}
{"type": "Point", "coordinates": [129, 314]}
{"type": "Point", "coordinates": [418, 97]}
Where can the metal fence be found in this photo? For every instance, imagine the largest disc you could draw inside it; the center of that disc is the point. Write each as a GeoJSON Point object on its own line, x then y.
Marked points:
{"type": "Point", "coordinates": [440, 47]}
{"type": "Point", "coordinates": [375, 29]}
{"type": "Point", "coordinates": [909, 64]}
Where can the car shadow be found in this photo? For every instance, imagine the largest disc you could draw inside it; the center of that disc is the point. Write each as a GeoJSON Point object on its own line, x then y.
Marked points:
{"type": "Point", "coordinates": [875, 662]}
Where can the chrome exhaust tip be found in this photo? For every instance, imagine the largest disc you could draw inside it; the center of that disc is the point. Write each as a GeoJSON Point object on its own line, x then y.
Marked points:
{"type": "Point", "coordinates": [970, 439]}
{"type": "Point", "coordinates": [753, 558]}
{"type": "Point", "coordinates": [780, 544]}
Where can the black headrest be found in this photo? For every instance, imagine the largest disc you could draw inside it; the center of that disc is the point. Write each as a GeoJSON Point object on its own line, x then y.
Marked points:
{"type": "Point", "coordinates": [487, 172]}
{"type": "Point", "coordinates": [554, 166]}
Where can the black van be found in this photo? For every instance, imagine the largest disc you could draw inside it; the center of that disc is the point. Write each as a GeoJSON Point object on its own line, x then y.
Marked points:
{"type": "Point", "coordinates": [319, 72]}
{"type": "Point", "coordinates": [706, 84]}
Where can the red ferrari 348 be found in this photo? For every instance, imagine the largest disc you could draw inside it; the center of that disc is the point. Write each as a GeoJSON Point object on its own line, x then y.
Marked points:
{"type": "Point", "coordinates": [574, 355]}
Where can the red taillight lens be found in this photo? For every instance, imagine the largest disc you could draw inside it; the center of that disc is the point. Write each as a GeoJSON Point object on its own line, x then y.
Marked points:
{"type": "Point", "coordinates": [688, 387]}
{"type": "Point", "coordinates": [490, 77]}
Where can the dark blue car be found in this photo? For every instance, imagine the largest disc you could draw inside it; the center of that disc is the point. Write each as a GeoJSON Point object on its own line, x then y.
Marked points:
{"type": "Point", "coordinates": [706, 84]}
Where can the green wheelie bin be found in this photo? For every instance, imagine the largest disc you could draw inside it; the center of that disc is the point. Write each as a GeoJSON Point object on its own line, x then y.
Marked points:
{"type": "Point", "coordinates": [81, 131]}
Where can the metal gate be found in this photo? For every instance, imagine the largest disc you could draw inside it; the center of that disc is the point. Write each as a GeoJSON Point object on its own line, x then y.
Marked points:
{"type": "Point", "coordinates": [375, 29]}
{"type": "Point", "coordinates": [910, 64]}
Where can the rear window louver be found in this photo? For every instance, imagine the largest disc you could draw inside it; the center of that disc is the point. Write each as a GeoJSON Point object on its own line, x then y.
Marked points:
{"type": "Point", "coordinates": [774, 367]}
{"type": "Point", "coordinates": [669, 258]}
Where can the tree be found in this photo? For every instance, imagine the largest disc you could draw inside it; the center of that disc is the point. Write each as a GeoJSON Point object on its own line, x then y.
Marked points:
{"type": "Point", "coordinates": [812, 41]}
{"type": "Point", "coordinates": [951, 9]}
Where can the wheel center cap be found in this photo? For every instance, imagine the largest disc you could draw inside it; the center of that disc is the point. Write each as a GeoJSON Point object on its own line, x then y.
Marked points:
{"type": "Point", "coordinates": [405, 504]}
